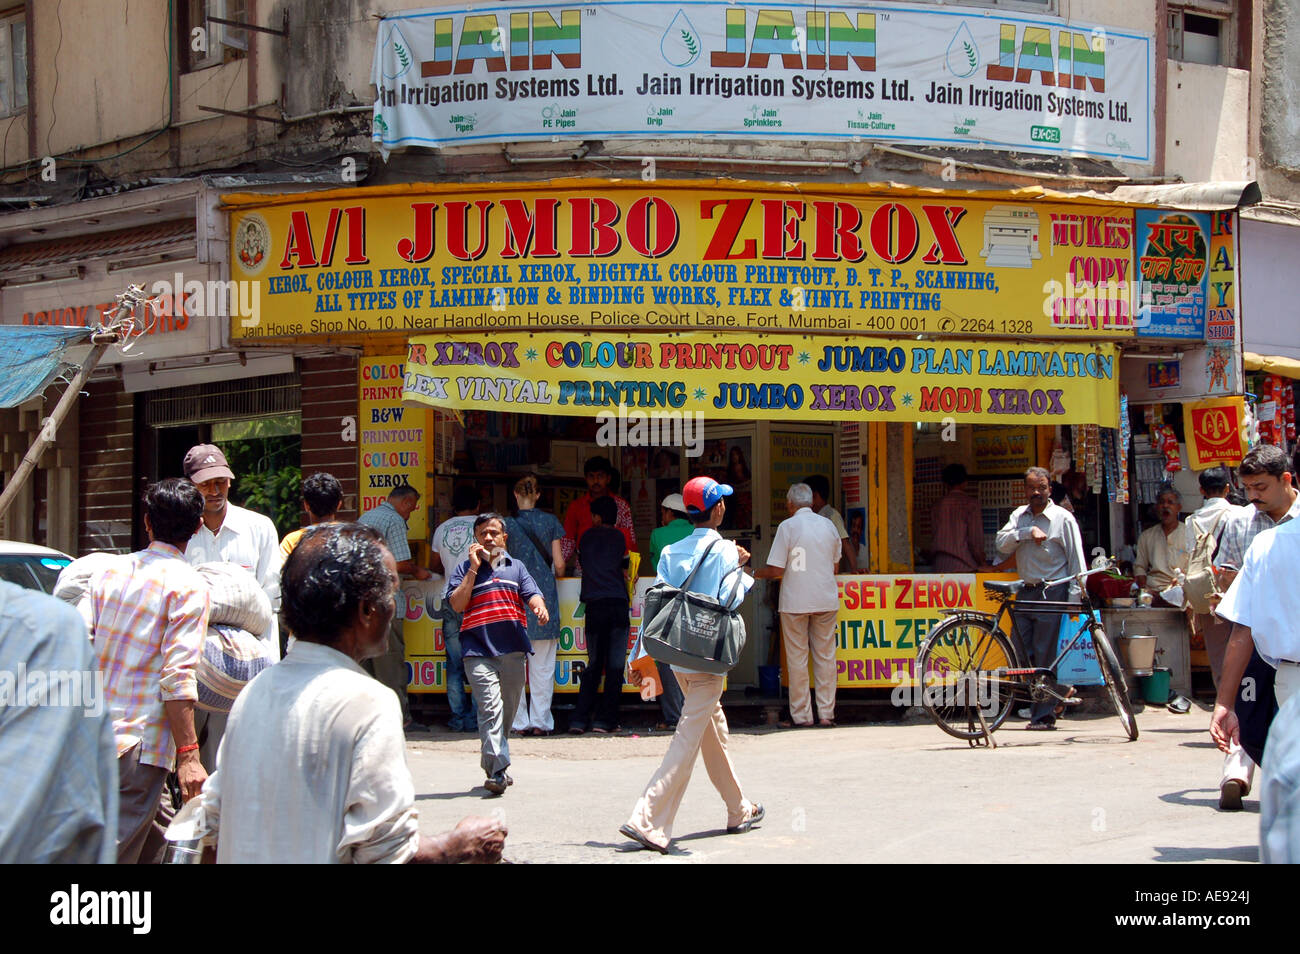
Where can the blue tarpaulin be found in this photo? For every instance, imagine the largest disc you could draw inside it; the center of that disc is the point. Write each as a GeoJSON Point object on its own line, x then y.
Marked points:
{"type": "Point", "coordinates": [30, 358]}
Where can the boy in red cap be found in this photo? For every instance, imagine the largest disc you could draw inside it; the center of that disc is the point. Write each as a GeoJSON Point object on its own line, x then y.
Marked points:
{"type": "Point", "coordinates": [703, 726]}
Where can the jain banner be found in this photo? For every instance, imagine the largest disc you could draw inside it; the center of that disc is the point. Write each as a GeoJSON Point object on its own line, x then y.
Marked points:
{"type": "Point", "coordinates": [961, 76]}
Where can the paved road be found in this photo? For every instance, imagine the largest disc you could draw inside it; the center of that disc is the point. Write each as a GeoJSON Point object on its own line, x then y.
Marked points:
{"type": "Point", "coordinates": [869, 793]}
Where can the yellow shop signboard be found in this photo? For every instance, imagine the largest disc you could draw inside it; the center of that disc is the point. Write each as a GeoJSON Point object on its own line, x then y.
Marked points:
{"type": "Point", "coordinates": [655, 256]}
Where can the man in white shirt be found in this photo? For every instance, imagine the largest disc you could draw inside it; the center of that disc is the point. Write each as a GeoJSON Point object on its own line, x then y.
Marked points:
{"type": "Point", "coordinates": [821, 491]}
{"type": "Point", "coordinates": [1213, 519]}
{"type": "Point", "coordinates": [1047, 545]}
{"type": "Point", "coordinates": [1266, 476]}
{"type": "Point", "coordinates": [1263, 606]}
{"type": "Point", "coordinates": [331, 784]}
{"type": "Point", "coordinates": [230, 534]}
{"type": "Point", "coordinates": [1163, 549]}
{"type": "Point", "coordinates": [803, 557]}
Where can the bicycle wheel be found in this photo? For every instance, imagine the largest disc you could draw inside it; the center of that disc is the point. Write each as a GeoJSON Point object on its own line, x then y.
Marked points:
{"type": "Point", "coordinates": [959, 677]}
{"type": "Point", "coordinates": [1113, 675]}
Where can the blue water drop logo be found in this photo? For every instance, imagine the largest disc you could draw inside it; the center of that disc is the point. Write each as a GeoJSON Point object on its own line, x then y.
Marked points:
{"type": "Point", "coordinates": [681, 45]}
{"type": "Point", "coordinates": [963, 57]}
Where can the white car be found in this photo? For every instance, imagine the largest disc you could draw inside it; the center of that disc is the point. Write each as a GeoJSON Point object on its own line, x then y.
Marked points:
{"type": "Point", "coordinates": [30, 566]}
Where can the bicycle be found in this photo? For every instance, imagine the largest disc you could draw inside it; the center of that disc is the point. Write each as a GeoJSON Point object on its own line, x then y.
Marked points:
{"type": "Point", "coordinates": [971, 674]}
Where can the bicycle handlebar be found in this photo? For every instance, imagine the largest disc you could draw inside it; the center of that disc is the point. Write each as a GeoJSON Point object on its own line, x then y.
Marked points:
{"type": "Point", "coordinates": [1110, 565]}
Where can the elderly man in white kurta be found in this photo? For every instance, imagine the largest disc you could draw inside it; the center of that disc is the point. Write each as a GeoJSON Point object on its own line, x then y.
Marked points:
{"type": "Point", "coordinates": [330, 784]}
{"type": "Point", "coordinates": [803, 557]}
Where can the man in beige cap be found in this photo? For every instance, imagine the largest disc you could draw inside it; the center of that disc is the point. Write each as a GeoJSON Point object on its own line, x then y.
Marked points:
{"type": "Point", "coordinates": [231, 534]}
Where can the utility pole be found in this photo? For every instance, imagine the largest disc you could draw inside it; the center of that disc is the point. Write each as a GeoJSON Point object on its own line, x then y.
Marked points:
{"type": "Point", "coordinates": [102, 340]}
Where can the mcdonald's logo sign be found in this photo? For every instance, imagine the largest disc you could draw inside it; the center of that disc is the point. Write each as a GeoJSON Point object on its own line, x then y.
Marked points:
{"type": "Point", "coordinates": [1213, 432]}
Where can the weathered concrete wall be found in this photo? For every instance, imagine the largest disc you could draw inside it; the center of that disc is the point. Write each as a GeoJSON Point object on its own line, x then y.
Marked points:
{"type": "Point", "coordinates": [1279, 110]}
{"type": "Point", "coordinates": [1207, 124]}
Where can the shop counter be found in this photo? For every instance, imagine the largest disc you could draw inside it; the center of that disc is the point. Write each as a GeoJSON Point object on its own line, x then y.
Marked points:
{"type": "Point", "coordinates": [1169, 626]}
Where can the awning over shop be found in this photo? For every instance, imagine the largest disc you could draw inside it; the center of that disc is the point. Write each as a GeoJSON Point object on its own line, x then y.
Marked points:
{"type": "Point", "coordinates": [1273, 364]}
{"type": "Point", "coordinates": [764, 377]}
{"type": "Point", "coordinates": [30, 358]}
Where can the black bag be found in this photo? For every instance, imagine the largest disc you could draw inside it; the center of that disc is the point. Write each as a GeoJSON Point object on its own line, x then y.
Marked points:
{"type": "Point", "coordinates": [691, 629]}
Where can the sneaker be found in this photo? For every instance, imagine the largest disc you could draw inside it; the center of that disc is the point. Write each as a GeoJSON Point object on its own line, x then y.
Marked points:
{"type": "Point", "coordinates": [496, 784]}
{"type": "Point", "coordinates": [1024, 713]}
{"type": "Point", "coordinates": [1043, 726]}
{"type": "Point", "coordinates": [1230, 793]}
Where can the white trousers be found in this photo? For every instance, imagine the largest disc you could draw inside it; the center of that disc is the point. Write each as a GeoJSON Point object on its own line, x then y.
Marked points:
{"type": "Point", "coordinates": [534, 710]}
{"type": "Point", "coordinates": [1237, 764]}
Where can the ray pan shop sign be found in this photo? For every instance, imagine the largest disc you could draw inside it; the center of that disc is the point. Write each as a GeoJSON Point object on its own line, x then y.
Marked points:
{"type": "Point", "coordinates": [680, 256]}
{"type": "Point", "coordinates": [963, 76]}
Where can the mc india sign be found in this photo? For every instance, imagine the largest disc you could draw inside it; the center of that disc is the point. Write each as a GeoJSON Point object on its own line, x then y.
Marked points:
{"type": "Point", "coordinates": [962, 76]}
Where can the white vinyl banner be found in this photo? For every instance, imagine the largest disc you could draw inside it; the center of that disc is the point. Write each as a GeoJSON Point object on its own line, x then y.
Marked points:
{"type": "Point", "coordinates": [964, 76]}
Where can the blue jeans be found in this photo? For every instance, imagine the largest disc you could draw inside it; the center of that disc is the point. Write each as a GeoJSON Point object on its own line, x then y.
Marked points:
{"type": "Point", "coordinates": [464, 718]}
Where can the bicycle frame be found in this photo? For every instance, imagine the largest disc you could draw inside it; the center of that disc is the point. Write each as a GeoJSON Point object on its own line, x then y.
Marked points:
{"type": "Point", "coordinates": [1010, 609]}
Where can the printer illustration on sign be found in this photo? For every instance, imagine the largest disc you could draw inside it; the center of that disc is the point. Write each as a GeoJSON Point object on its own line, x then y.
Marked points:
{"type": "Point", "coordinates": [1010, 237]}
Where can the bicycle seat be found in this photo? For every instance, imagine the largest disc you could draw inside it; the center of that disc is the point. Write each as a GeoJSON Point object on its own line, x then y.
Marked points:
{"type": "Point", "coordinates": [1007, 588]}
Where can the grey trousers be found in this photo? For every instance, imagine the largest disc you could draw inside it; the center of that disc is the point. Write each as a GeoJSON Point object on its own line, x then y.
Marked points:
{"type": "Point", "coordinates": [140, 791]}
{"type": "Point", "coordinates": [498, 682]}
{"type": "Point", "coordinates": [1040, 635]}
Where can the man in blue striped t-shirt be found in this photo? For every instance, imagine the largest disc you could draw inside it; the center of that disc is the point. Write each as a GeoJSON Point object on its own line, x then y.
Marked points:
{"type": "Point", "coordinates": [489, 590]}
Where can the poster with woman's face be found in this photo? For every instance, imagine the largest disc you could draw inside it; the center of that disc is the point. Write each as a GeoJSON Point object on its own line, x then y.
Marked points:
{"type": "Point", "coordinates": [727, 460]}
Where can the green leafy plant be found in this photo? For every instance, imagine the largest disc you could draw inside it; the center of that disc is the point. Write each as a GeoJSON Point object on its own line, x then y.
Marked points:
{"type": "Point", "coordinates": [690, 43]}
{"type": "Point", "coordinates": [970, 53]}
{"type": "Point", "coordinates": [401, 55]}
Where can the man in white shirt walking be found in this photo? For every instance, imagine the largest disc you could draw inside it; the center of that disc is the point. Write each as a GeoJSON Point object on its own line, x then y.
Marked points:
{"type": "Point", "coordinates": [1266, 475]}
{"type": "Point", "coordinates": [330, 784]}
{"type": "Point", "coordinates": [803, 557]}
{"type": "Point", "coordinates": [230, 534]}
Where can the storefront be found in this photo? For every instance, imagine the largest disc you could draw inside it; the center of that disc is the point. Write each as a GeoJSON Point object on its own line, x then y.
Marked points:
{"type": "Point", "coordinates": [757, 333]}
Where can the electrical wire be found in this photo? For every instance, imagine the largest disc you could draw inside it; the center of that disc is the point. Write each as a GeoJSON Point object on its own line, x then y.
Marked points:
{"type": "Point", "coordinates": [55, 91]}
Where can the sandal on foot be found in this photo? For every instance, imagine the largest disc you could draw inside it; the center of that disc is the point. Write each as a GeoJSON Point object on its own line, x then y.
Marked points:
{"type": "Point", "coordinates": [755, 816]}
{"type": "Point", "coordinates": [642, 840]}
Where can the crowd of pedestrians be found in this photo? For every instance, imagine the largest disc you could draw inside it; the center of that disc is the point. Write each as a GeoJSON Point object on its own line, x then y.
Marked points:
{"type": "Point", "coordinates": [331, 784]}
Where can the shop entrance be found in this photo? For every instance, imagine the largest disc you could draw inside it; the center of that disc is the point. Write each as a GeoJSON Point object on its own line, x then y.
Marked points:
{"type": "Point", "coordinates": [256, 421]}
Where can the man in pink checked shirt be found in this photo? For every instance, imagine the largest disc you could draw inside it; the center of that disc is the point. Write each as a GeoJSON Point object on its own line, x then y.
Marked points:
{"type": "Point", "coordinates": [149, 616]}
